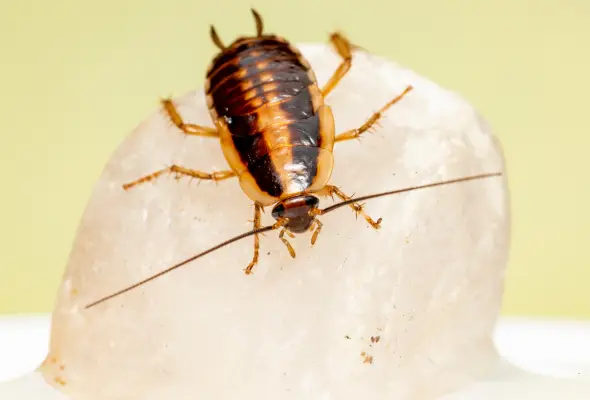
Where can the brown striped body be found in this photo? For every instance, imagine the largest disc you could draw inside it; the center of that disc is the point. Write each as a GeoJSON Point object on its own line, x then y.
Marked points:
{"type": "Point", "coordinates": [277, 136]}
{"type": "Point", "coordinates": [276, 132]}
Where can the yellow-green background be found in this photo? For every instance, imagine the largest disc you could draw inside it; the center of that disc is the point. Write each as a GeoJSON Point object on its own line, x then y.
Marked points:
{"type": "Point", "coordinates": [77, 75]}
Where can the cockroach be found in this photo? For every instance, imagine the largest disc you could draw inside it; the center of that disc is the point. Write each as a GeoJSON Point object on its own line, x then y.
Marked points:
{"type": "Point", "coordinates": [277, 136]}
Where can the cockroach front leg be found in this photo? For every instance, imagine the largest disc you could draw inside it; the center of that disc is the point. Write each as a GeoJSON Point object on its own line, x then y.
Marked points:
{"type": "Point", "coordinates": [317, 228]}
{"type": "Point", "coordinates": [344, 49]}
{"type": "Point", "coordinates": [356, 133]}
{"type": "Point", "coordinates": [181, 171]}
{"type": "Point", "coordinates": [286, 242]}
{"type": "Point", "coordinates": [189, 129]}
{"type": "Point", "coordinates": [257, 210]}
{"type": "Point", "coordinates": [330, 190]}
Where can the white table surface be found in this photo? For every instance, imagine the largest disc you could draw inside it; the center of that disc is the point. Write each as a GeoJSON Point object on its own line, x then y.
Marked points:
{"type": "Point", "coordinates": [556, 348]}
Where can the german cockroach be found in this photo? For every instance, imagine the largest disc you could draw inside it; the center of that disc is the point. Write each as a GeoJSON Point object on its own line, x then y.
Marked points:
{"type": "Point", "coordinates": [277, 135]}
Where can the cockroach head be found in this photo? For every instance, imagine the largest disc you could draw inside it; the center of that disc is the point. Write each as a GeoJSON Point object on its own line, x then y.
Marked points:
{"type": "Point", "coordinates": [297, 211]}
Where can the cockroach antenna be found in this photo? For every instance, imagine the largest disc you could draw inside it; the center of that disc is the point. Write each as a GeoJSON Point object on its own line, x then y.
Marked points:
{"type": "Point", "coordinates": [282, 222]}
{"type": "Point", "coordinates": [182, 263]}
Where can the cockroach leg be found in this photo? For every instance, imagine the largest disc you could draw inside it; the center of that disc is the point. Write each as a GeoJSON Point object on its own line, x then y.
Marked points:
{"type": "Point", "coordinates": [316, 232]}
{"type": "Point", "coordinates": [189, 129]}
{"type": "Point", "coordinates": [257, 210]}
{"type": "Point", "coordinates": [181, 171]}
{"type": "Point", "coordinates": [356, 133]}
{"type": "Point", "coordinates": [330, 190]}
{"type": "Point", "coordinates": [344, 49]}
{"type": "Point", "coordinates": [286, 242]}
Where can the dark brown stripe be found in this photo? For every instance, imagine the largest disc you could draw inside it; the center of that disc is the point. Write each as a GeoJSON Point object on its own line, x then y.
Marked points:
{"type": "Point", "coordinates": [299, 107]}
{"type": "Point", "coordinates": [266, 176]}
{"type": "Point", "coordinates": [242, 125]}
{"type": "Point", "coordinates": [305, 132]}
{"type": "Point", "coordinates": [305, 162]}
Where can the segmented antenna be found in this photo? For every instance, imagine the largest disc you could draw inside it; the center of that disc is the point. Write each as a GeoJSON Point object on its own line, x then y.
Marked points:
{"type": "Point", "coordinates": [408, 189]}
{"type": "Point", "coordinates": [278, 224]}
{"type": "Point", "coordinates": [180, 264]}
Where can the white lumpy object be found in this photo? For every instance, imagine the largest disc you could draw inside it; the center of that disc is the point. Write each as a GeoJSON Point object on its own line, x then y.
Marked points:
{"type": "Point", "coordinates": [428, 284]}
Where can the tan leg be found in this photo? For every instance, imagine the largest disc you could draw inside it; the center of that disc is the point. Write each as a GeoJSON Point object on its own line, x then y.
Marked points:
{"type": "Point", "coordinates": [257, 210]}
{"type": "Point", "coordinates": [180, 172]}
{"type": "Point", "coordinates": [330, 190]}
{"type": "Point", "coordinates": [355, 133]}
{"type": "Point", "coordinates": [316, 232]}
{"type": "Point", "coordinates": [189, 129]}
{"type": "Point", "coordinates": [344, 49]}
{"type": "Point", "coordinates": [286, 242]}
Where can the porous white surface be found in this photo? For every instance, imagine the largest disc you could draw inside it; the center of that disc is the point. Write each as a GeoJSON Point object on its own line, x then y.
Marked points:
{"type": "Point", "coordinates": [553, 348]}
{"type": "Point", "coordinates": [429, 283]}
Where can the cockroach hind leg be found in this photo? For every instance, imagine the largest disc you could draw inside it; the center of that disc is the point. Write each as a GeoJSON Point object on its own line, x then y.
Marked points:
{"type": "Point", "coordinates": [343, 47]}
{"type": "Point", "coordinates": [372, 120]}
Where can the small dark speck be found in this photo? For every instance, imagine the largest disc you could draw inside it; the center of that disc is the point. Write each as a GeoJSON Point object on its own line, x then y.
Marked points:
{"type": "Point", "coordinates": [347, 337]}
{"type": "Point", "coordinates": [268, 254]}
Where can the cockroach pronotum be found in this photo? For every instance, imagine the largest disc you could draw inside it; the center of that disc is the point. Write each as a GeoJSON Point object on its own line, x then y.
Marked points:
{"type": "Point", "coordinates": [277, 135]}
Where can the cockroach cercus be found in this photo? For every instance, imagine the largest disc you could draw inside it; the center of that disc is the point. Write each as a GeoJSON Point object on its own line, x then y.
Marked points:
{"type": "Point", "coordinates": [277, 136]}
